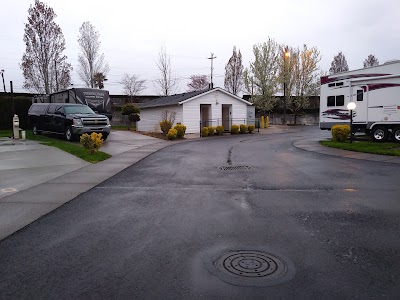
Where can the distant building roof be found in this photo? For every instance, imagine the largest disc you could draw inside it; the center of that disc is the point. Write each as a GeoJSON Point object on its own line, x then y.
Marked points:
{"type": "Point", "coordinates": [170, 100]}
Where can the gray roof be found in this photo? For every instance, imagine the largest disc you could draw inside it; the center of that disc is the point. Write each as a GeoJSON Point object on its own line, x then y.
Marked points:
{"type": "Point", "coordinates": [170, 100]}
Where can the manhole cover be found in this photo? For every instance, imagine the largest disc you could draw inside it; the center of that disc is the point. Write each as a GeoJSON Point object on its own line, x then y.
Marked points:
{"type": "Point", "coordinates": [234, 168]}
{"type": "Point", "coordinates": [252, 268]}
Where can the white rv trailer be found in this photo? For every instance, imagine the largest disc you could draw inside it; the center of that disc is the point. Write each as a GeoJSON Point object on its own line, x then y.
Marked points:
{"type": "Point", "coordinates": [376, 93]}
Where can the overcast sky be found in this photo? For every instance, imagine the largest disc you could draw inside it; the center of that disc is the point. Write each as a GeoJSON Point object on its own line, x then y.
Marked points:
{"type": "Point", "coordinates": [131, 33]}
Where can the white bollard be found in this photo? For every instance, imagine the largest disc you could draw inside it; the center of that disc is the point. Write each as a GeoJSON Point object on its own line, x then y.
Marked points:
{"type": "Point", "coordinates": [16, 127]}
{"type": "Point", "coordinates": [23, 135]}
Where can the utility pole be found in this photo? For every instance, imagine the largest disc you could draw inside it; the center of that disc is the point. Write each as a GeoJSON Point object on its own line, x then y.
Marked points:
{"type": "Point", "coordinates": [55, 69]}
{"type": "Point", "coordinates": [12, 97]}
{"type": "Point", "coordinates": [4, 85]}
{"type": "Point", "coordinates": [212, 68]}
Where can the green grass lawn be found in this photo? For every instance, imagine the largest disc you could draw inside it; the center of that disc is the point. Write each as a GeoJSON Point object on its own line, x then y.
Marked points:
{"type": "Point", "coordinates": [58, 142]}
{"type": "Point", "coordinates": [123, 127]}
{"type": "Point", "coordinates": [366, 147]}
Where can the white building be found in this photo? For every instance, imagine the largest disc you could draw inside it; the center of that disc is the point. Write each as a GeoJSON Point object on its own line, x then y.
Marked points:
{"type": "Point", "coordinates": [197, 109]}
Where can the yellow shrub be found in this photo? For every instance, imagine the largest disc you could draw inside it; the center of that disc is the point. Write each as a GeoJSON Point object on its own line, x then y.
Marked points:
{"type": "Point", "coordinates": [211, 130]}
{"type": "Point", "coordinates": [204, 131]}
{"type": "Point", "coordinates": [220, 130]}
{"type": "Point", "coordinates": [92, 142]}
{"type": "Point", "coordinates": [181, 129]}
{"type": "Point", "coordinates": [235, 129]}
{"type": "Point", "coordinates": [251, 128]}
{"type": "Point", "coordinates": [340, 133]}
{"type": "Point", "coordinates": [172, 134]}
{"type": "Point", "coordinates": [243, 128]}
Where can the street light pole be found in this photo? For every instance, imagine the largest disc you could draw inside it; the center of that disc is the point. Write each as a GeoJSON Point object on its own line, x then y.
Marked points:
{"type": "Point", "coordinates": [286, 54]}
{"type": "Point", "coordinates": [351, 106]}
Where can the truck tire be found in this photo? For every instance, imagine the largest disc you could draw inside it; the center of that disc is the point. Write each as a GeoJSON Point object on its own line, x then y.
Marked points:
{"type": "Point", "coordinates": [396, 134]}
{"type": "Point", "coordinates": [69, 136]}
{"type": "Point", "coordinates": [35, 130]}
{"type": "Point", "coordinates": [105, 136]}
{"type": "Point", "coordinates": [379, 134]}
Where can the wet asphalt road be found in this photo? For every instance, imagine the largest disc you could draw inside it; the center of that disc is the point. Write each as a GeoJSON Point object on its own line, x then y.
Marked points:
{"type": "Point", "coordinates": [147, 233]}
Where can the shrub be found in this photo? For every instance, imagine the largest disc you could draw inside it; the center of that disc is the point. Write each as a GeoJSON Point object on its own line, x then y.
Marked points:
{"type": "Point", "coordinates": [211, 130]}
{"type": "Point", "coordinates": [235, 129]}
{"type": "Point", "coordinates": [220, 130]}
{"type": "Point", "coordinates": [243, 128]}
{"type": "Point", "coordinates": [251, 128]}
{"type": "Point", "coordinates": [204, 131]}
{"type": "Point", "coordinates": [130, 109]}
{"type": "Point", "coordinates": [166, 120]}
{"type": "Point", "coordinates": [181, 129]}
{"type": "Point", "coordinates": [92, 142]}
{"type": "Point", "coordinates": [172, 134]}
{"type": "Point", "coordinates": [340, 133]}
{"type": "Point", "coordinates": [165, 126]}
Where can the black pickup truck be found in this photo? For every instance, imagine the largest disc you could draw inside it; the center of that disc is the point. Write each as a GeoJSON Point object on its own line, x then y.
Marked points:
{"type": "Point", "coordinates": [71, 120]}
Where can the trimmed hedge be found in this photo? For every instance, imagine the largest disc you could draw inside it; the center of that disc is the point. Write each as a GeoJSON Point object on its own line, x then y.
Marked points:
{"type": "Point", "coordinates": [340, 133]}
{"type": "Point", "coordinates": [21, 107]}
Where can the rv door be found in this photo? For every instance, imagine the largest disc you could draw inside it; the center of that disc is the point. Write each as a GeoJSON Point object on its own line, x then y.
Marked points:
{"type": "Point", "coordinates": [359, 95]}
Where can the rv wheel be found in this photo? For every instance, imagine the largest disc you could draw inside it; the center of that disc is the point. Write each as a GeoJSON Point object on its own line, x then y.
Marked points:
{"type": "Point", "coordinates": [379, 134]}
{"type": "Point", "coordinates": [396, 134]}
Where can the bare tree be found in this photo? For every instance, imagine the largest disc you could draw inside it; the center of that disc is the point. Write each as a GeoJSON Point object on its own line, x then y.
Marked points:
{"type": "Point", "coordinates": [167, 83]}
{"type": "Point", "coordinates": [371, 61]}
{"type": "Point", "coordinates": [261, 78]}
{"type": "Point", "coordinates": [90, 60]}
{"type": "Point", "coordinates": [302, 78]}
{"type": "Point", "coordinates": [198, 83]}
{"type": "Point", "coordinates": [43, 64]}
{"type": "Point", "coordinates": [132, 85]}
{"type": "Point", "coordinates": [339, 64]}
{"type": "Point", "coordinates": [234, 73]}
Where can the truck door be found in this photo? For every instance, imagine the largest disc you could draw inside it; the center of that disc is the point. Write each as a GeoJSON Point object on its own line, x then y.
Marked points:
{"type": "Point", "coordinates": [50, 118]}
{"type": "Point", "coordinates": [59, 118]}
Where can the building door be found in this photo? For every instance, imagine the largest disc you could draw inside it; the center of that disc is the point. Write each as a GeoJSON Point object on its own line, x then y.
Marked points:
{"type": "Point", "coordinates": [205, 115]}
{"type": "Point", "coordinates": [226, 116]}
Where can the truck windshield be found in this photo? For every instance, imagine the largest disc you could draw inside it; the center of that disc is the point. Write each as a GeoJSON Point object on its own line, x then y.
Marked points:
{"type": "Point", "coordinates": [78, 109]}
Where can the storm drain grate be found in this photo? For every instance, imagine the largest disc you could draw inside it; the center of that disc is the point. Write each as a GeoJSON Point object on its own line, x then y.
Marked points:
{"type": "Point", "coordinates": [253, 268]}
{"type": "Point", "coordinates": [234, 168]}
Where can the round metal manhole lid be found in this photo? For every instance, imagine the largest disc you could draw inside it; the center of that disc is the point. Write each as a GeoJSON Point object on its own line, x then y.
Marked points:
{"type": "Point", "coordinates": [252, 268]}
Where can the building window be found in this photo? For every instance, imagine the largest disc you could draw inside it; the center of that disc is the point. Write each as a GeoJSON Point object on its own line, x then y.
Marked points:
{"type": "Point", "coordinates": [360, 95]}
{"type": "Point", "coordinates": [339, 83]}
{"type": "Point", "coordinates": [331, 84]}
{"type": "Point", "coordinates": [336, 100]}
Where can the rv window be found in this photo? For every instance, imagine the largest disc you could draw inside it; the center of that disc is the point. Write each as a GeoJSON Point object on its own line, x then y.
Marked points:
{"type": "Point", "coordinates": [360, 95]}
{"type": "Point", "coordinates": [331, 101]}
{"type": "Point", "coordinates": [340, 100]}
{"type": "Point", "coordinates": [331, 84]}
{"type": "Point", "coordinates": [339, 84]}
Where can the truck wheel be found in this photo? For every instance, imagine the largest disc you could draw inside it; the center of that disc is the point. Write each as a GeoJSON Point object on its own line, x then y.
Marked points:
{"type": "Point", "coordinates": [105, 136]}
{"type": "Point", "coordinates": [69, 136]}
{"type": "Point", "coordinates": [380, 134]}
{"type": "Point", "coordinates": [35, 130]}
{"type": "Point", "coordinates": [396, 134]}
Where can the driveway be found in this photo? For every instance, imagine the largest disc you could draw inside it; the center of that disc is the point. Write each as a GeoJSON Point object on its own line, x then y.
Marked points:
{"type": "Point", "coordinates": [246, 217]}
{"type": "Point", "coordinates": [26, 164]}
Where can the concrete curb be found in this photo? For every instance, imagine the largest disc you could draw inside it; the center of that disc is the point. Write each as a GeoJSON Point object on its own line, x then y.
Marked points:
{"type": "Point", "coordinates": [313, 145]}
